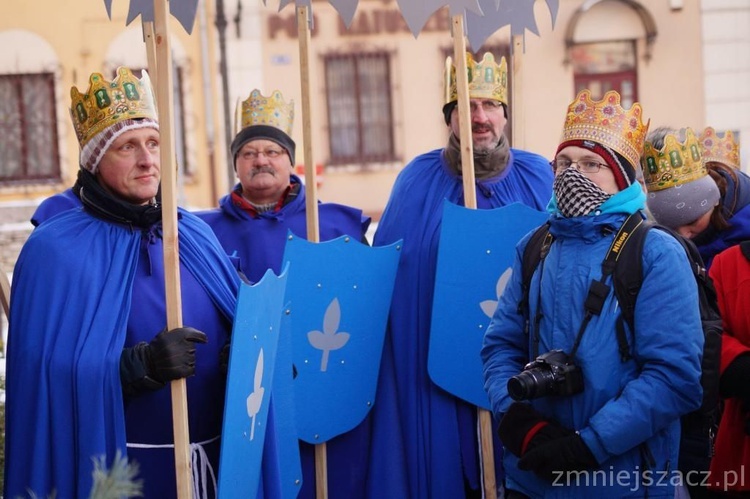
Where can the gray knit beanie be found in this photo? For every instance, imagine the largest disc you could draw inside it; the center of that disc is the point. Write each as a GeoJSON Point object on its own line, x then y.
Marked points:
{"type": "Point", "coordinates": [683, 204]}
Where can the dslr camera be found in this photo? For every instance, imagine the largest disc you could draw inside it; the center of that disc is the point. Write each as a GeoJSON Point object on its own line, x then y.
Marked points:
{"type": "Point", "coordinates": [552, 373]}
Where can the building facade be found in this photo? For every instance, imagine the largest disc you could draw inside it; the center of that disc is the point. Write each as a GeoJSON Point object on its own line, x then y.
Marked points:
{"type": "Point", "coordinates": [376, 90]}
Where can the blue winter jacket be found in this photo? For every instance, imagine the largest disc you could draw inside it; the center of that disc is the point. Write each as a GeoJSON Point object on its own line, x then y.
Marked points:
{"type": "Point", "coordinates": [628, 412]}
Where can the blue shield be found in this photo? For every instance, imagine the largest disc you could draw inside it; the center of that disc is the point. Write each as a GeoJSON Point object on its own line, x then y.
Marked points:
{"type": "Point", "coordinates": [255, 339]}
{"type": "Point", "coordinates": [474, 263]}
{"type": "Point", "coordinates": [340, 293]}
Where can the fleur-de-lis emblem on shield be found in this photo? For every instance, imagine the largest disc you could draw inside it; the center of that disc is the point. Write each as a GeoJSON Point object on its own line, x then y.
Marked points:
{"type": "Point", "coordinates": [329, 339]}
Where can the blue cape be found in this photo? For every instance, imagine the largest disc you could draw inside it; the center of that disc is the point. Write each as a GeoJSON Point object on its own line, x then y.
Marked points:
{"type": "Point", "coordinates": [439, 430]}
{"type": "Point", "coordinates": [65, 200]}
{"type": "Point", "coordinates": [70, 309]}
{"type": "Point", "coordinates": [259, 241]}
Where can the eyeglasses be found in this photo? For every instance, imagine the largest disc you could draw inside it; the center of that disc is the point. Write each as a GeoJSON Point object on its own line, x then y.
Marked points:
{"type": "Point", "coordinates": [488, 106]}
{"type": "Point", "coordinates": [584, 165]}
{"type": "Point", "coordinates": [252, 154]}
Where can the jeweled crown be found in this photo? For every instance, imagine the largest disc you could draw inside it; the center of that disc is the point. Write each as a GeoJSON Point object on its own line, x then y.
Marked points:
{"type": "Point", "coordinates": [108, 102]}
{"type": "Point", "coordinates": [272, 111]}
{"type": "Point", "coordinates": [487, 79]}
{"type": "Point", "coordinates": [722, 149]}
{"type": "Point", "coordinates": [607, 123]}
{"type": "Point", "coordinates": [676, 163]}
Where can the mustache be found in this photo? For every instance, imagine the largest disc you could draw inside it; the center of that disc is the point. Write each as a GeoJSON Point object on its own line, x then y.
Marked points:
{"type": "Point", "coordinates": [262, 169]}
{"type": "Point", "coordinates": [480, 128]}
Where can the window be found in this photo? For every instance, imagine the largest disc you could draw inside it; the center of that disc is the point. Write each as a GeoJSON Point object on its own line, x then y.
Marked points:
{"type": "Point", "coordinates": [606, 66]}
{"type": "Point", "coordinates": [360, 119]}
{"type": "Point", "coordinates": [28, 128]}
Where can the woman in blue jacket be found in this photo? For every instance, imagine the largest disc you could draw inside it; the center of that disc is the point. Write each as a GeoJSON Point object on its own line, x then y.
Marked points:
{"type": "Point", "coordinates": [616, 432]}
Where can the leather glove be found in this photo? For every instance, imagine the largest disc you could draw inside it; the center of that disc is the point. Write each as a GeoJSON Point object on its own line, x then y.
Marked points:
{"type": "Point", "coordinates": [169, 356]}
{"type": "Point", "coordinates": [733, 381]}
{"type": "Point", "coordinates": [564, 454]}
{"type": "Point", "coordinates": [522, 428]}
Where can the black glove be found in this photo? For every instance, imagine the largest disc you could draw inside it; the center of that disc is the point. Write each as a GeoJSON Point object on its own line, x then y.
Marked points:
{"type": "Point", "coordinates": [224, 358]}
{"type": "Point", "coordinates": [564, 454]}
{"type": "Point", "coordinates": [733, 381]}
{"type": "Point", "coordinates": [520, 419]}
{"type": "Point", "coordinates": [169, 356]}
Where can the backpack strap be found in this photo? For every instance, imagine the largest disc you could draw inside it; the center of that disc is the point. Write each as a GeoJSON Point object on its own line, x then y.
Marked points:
{"type": "Point", "coordinates": [626, 265]}
{"type": "Point", "coordinates": [745, 249]}
{"type": "Point", "coordinates": [535, 251]}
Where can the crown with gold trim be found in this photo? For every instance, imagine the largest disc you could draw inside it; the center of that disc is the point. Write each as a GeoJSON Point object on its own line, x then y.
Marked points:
{"type": "Point", "coordinates": [272, 111]}
{"type": "Point", "coordinates": [108, 102]}
{"type": "Point", "coordinates": [607, 123]}
{"type": "Point", "coordinates": [676, 163]}
{"type": "Point", "coordinates": [722, 149]}
{"type": "Point", "coordinates": [487, 79]}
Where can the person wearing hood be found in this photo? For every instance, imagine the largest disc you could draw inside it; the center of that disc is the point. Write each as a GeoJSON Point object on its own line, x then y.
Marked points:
{"type": "Point", "coordinates": [619, 424]}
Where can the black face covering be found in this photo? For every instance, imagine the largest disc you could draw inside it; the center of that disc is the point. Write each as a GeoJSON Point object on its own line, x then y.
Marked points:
{"type": "Point", "coordinates": [576, 194]}
{"type": "Point", "coordinates": [102, 204]}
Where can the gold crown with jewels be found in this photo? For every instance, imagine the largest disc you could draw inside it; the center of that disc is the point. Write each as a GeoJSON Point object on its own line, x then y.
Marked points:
{"type": "Point", "coordinates": [272, 111]}
{"type": "Point", "coordinates": [108, 102]}
{"type": "Point", "coordinates": [676, 163]}
{"type": "Point", "coordinates": [722, 149]}
{"type": "Point", "coordinates": [607, 123]}
{"type": "Point", "coordinates": [487, 79]}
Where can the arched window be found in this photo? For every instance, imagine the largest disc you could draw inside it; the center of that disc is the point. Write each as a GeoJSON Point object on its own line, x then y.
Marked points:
{"type": "Point", "coordinates": [29, 136]}
{"type": "Point", "coordinates": [604, 55]}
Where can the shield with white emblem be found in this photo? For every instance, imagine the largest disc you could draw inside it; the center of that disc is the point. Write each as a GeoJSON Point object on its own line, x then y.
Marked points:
{"type": "Point", "coordinates": [255, 340]}
{"type": "Point", "coordinates": [474, 263]}
{"type": "Point", "coordinates": [339, 294]}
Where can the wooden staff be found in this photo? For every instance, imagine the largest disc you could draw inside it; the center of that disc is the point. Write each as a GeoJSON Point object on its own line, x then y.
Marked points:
{"type": "Point", "coordinates": [171, 249]}
{"type": "Point", "coordinates": [311, 201]}
{"type": "Point", "coordinates": [517, 98]}
{"type": "Point", "coordinates": [470, 201]}
{"type": "Point", "coordinates": [5, 293]}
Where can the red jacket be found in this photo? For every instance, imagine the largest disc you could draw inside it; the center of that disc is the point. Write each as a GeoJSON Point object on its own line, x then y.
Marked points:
{"type": "Point", "coordinates": [730, 467]}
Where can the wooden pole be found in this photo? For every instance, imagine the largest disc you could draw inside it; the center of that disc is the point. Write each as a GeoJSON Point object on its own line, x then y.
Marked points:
{"type": "Point", "coordinates": [517, 100]}
{"type": "Point", "coordinates": [470, 201]}
{"type": "Point", "coordinates": [311, 185]}
{"type": "Point", "coordinates": [171, 248]}
{"type": "Point", "coordinates": [311, 199]}
{"type": "Point", "coordinates": [5, 293]}
{"type": "Point", "coordinates": [464, 113]}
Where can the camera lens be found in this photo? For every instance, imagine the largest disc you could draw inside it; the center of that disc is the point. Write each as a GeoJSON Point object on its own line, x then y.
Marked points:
{"type": "Point", "coordinates": [529, 384]}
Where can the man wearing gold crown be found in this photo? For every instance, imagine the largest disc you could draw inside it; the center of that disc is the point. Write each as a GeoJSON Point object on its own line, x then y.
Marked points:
{"type": "Point", "coordinates": [89, 357]}
{"type": "Point", "coordinates": [252, 221]}
{"type": "Point", "coordinates": [252, 224]}
{"type": "Point", "coordinates": [708, 202]}
{"type": "Point", "coordinates": [442, 456]}
{"type": "Point", "coordinates": [615, 432]}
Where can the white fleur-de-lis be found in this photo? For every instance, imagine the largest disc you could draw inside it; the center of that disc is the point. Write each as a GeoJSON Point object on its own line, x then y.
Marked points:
{"type": "Point", "coordinates": [489, 306]}
{"type": "Point", "coordinates": [329, 339]}
{"type": "Point", "coordinates": [255, 399]}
